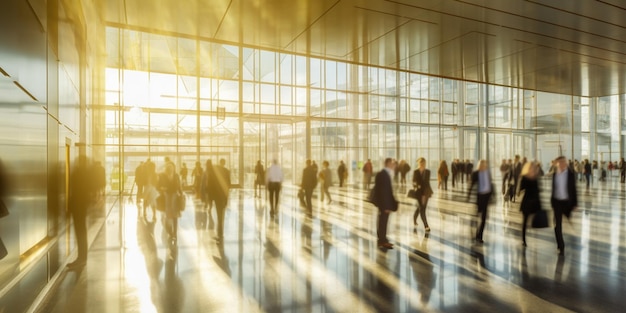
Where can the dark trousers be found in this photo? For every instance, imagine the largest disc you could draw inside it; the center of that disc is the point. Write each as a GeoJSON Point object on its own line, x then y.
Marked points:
{"type": "Point", "coordinates": [454, 178]}
{"type": "Point", "coordinates": [513, 193]}
{"type": "Point", "coordinates": [308, 194]}
{"type": "Point", "coordinates": [80, 228]}
{"type": "Point", "coordinates": [483, 202]}
{"type": "Point", "coordinates": [274, 190]}
{"type": "Point", "coordinates": [559, 207]}
{"type": "Point", "coordinates": [220, 208]}
{"type": "Point", "coordinates": [588, 178]}
{"type": "Point", "coordinates": [524, 226]}
{"type": "Point", "coordinates": [421, 210]}
{"type": "Point", "coordinates": [622, 175]}
{"type": "Point", "coordinates": [341, 181]}
{"type": "Point", "coordinates": [383, 218]}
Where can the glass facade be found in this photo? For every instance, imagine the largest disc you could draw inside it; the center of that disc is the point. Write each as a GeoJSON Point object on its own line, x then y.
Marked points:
{"type": "Point", "coordinates": [193, 100]}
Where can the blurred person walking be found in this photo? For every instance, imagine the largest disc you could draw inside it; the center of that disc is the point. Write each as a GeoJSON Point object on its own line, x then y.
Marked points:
{"type": "Point", "coordinates": [80, 198]}
{"type": "Point", "coordinates": [327, 180]}
{"type": "Point", "coordinates": [342, 172]}
{"type": "Point", "coordinates": [404, 168]}
{"type": "Point", "coordinates": [309, 182]}
{"type": "Point", "coordinates": [454, 168]}
{"type": "Point", "coordinates": [221, 190]}
{"type": "Point", "coordinates": [259, 180]}
{"type": "Point", "coordinates": [274, 184]}
{"type": "Point", "coordinates": [382, 197]}
{"type": "Point", "coordinates": [140, 180]}
{"type": "Point", "coordinates": [208, 177]}
{"type": "Point", "coordinates": [196, 174]}
{"type": "Point", "coordinates": [564, 198]}
{"type": "Point", "coordinates": [442, 175]}
{"type": "Point", "coordinates": [150, 191]}
{"type": "Point", "coordinates": [170, 188]}
{"type": "Point", "coordinates": [184, 172]}
{"type": "Point", "coordinates": [587, 172]}
{"type": "Point", "coordinates": [482, 179]}
{"type": "Point", "coordinates": [367, 174]}
{"type": "Point", "coordinates": [622, 170]}
{"type": "Point", "coordinates": [531, 203]}
{"type": "Point", "coordinates": [421, 182]}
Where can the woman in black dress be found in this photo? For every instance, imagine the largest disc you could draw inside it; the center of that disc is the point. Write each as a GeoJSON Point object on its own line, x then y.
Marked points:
{"type": "Point", "coordinates": [531, 202]}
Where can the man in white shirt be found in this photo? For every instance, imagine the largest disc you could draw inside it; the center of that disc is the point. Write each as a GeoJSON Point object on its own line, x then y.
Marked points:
{"type": "Point", "coordinates": [564, 198]}
{"type": "Point", "coordinates": [274, 178]}
{"type": "Point", "coordinates": [482, 178]}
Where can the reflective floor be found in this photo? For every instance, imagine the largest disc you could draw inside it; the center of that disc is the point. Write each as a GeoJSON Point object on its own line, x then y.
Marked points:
{"type": "Point", "coordinates": [330, 262]}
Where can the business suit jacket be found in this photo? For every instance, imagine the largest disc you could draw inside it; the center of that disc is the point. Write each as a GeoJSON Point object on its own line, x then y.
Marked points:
{"type": "Point", "coordinates": [571, 190]}
{"type": "Point", "coordinates": [309, 178]}
{"type": "Point", "coordinates": [220, 185]}
{"type": "Point", "coordinates": [382, 194]}
{"type": "Point", "coordinates": [422, 183]}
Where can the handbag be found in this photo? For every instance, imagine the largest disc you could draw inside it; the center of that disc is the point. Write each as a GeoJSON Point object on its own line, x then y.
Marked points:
{"type": "Point", "coordinates": [540, 220]}
{"type": "Point", "coordinates": [412, 193]}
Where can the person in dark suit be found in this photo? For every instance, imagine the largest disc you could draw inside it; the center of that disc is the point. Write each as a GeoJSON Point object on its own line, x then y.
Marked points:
{"type": "Point", "coordinates": [342, 172]}
{"type": "Point", "coordinates": [564, 198]}
{"type": "Point", "coordinates": [421, 182]}
{"type": "Point", "coordinates": [259, 180]}
{"type": "Point", "coordinates": [622, 170]}
{"type": "Point", "coordinates": [530, 202]}
{"type": "Point", "coordinates": [517, 170]}
{"type": "Point", "coordinates": [469, 168]}
{"type": "Point", "coordinates": [170, 188]}
{"type": "Point", "coordinates": [461, 171]}
{"type": "Point", "coordinates": [207, 184]}
{"type": "Point", "coordinates": [484, 190]}
{"type": "Point", "coordinates": [80, 198]}
{"type": "Point", "coordinates": [309, 182]}
{"type": "Point", "coordinates": [454, 168]}
{"type": "Point", "coordinates": [587, 172]}
{"type": "Point", "coordinates": [220, 191]}
{"type": "Point", "coordinates": [140, 181]}
{"type": "Point", "coordinates": [382, 197]}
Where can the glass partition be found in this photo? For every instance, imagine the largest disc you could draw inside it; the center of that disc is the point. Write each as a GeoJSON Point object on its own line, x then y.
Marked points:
{"type": "Point", "coordinates": [194, 100]}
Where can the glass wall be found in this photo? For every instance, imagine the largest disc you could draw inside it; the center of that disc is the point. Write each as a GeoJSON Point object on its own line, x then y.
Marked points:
{"type": "Point", "coordinates": [193, 100]}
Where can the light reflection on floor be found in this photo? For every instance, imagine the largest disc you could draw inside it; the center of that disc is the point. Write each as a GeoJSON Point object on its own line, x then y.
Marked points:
{"type": "Point", "coordinates": [329, 262]}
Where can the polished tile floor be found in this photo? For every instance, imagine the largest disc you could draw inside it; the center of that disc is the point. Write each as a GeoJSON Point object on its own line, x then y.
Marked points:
{"type": "Point", "coordinates": [329, 262]}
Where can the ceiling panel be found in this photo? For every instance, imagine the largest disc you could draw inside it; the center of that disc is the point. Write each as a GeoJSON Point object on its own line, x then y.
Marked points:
{"type": "Point", "coordinates": [574, 47]}
{"type": "Point", "coordinates": [273, 24]}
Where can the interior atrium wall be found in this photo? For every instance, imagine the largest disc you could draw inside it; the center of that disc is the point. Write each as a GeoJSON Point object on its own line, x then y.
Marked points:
{"type": "Point", "coordinates": [49, 79]}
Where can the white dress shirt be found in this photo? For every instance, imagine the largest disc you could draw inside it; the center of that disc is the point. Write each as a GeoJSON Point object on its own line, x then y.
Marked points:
{"type": "Point", "coordinates": [484, 183]}
{"type": "Point", "coordinates": [560, 186]}
{"type": "Point", "coordinates": [274, 174]}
